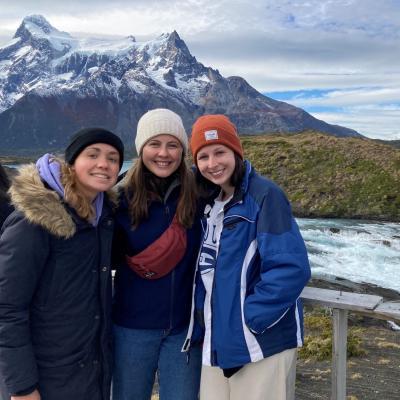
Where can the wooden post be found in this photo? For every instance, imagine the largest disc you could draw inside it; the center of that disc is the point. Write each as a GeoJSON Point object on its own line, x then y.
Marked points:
{"type": "Point", "coordinates": [341, 302]}
{"type": "Point", "coordinates": [339, 350]}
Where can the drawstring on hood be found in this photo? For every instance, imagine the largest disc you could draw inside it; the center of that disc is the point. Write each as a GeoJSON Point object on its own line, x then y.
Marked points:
{"type": "Point", "coordinates": [50, 171]}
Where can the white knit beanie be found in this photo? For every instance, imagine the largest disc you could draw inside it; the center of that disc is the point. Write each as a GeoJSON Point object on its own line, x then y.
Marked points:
{"type": "Point", "coordinates": [160, 121]}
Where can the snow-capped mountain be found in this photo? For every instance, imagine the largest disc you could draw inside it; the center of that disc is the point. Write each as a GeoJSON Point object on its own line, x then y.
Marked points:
{"type": "Point", "coordinates": [52, 83]}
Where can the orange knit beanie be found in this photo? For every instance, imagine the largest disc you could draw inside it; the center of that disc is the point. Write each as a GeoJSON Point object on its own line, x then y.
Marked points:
{"type": "Point", "coordinates": [214, 129]}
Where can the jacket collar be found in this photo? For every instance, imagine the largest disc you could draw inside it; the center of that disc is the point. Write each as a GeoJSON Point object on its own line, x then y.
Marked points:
{"type": "Point", "coordinates": [244, 185]}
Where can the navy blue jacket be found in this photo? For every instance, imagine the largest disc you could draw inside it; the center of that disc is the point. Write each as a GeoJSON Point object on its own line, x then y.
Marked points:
{"type": "Point", "coordinates": [162, 303]}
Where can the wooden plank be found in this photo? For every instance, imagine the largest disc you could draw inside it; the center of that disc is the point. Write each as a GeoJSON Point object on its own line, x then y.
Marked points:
{"type": "Point", "coordinates": [389, 310]}
{"type": "Point", "coordinates": [341, 300]}
{"type": "Point", "coordinates": [339, 356]}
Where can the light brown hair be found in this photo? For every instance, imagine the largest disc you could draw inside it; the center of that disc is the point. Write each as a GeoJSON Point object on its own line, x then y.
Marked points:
{"type": "Point", "coordinates": [72, 196]}
{"type": "Point", "coordinates": [142, 186]}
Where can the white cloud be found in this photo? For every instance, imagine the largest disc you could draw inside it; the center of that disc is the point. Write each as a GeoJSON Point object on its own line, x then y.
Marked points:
{"type": "Point", "coordinates": [372, 121]}
{"type": "Point", "coordinates": [360, 97]}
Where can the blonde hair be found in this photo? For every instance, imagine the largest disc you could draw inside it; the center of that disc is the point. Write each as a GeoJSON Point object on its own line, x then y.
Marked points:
{"type": "Point", "coordinates": [141, 189]}
{"type": "Point", "coordinates": [72, 195]}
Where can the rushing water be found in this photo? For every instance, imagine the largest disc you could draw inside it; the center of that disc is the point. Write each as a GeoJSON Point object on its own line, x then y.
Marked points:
{"type": "Point", "coordinates": [360, 251]}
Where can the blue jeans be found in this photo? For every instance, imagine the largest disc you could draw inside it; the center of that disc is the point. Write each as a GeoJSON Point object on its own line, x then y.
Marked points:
{"type": "Point", "coordinates": [139, 353]}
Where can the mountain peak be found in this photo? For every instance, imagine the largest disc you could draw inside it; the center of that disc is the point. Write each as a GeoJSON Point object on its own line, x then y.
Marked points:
{"type": "Point", "coordinates": [37, 27]}
{"type": "Point", "coordinates": [37, 32]}
{"type": "Point", "coordinates": [174, 36]}
{"type": "Point", "coordinates": [177, 47]}
{"type": "Point", "coordinates": [174, 39]}
{"type": "Point", "coordinates": [38, 21]}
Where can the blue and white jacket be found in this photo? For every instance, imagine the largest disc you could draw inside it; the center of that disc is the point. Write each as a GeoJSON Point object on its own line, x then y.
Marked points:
{"type": "Point", "coordinates": [247, 288]}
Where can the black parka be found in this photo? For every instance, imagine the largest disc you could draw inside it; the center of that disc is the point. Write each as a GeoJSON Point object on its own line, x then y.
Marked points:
{"type": "Point", "coordinates": [5, 209]}
{"type": "Point", "coordinates": [55, 296]}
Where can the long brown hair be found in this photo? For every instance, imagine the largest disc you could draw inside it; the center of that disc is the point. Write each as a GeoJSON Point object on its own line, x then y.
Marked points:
{"type": "Point", "coordinates": [141, 187]}
{"type": "Point", "coordinates": [72, 196]}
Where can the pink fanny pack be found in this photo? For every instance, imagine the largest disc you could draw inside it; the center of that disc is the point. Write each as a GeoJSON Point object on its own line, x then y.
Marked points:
{"type": "Point", "coordinates": [162, 256]}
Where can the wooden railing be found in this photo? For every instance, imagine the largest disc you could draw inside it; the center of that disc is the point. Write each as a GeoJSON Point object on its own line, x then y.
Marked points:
{"type": "Point", "coordinates": [341, 303]}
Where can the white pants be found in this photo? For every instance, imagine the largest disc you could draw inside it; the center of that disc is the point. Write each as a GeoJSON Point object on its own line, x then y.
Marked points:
{"type": "Point", "coordinates": [272, 378]}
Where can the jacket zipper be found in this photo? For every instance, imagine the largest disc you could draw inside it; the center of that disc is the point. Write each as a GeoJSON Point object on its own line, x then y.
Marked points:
{"type": "Point", "coordinates": [213, 358]}
{"type": "Point", "coordinates": [212, 361]}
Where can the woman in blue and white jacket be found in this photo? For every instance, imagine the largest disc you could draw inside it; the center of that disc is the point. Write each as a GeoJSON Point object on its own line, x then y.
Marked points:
{"type": "Point", "coordinates": [251, 269]}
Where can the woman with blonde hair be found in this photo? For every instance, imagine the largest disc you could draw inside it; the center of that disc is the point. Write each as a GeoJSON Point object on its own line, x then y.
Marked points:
{"type": "Point", "coordinates": [55, 278]}
{"type": "Point", "coordinates": [157, 239]}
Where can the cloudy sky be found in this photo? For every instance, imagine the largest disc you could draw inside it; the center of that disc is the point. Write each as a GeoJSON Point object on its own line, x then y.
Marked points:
{"type": "Point", "coordinates": [337, 59]}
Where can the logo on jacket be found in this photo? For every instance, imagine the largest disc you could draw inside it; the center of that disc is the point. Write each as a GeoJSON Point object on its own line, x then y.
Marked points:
{"type": "Point", "coordinates": [207, 259]}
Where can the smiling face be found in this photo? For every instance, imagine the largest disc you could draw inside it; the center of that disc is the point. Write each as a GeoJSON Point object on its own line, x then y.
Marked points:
{"type": "Point", "coordinates": [216, 163]}
{"type": "Point", "coordinates": [96, 169]}
{"type": "Point", "coordinates": [162, 155]}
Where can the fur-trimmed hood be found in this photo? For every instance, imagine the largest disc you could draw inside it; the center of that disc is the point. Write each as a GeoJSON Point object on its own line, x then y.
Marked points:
{"type": "Point", "coordinates": [40, 205]}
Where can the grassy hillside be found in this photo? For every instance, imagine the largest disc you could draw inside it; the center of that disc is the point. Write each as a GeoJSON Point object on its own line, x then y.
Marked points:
{"type": "Point", "coordinates": [326, 176]}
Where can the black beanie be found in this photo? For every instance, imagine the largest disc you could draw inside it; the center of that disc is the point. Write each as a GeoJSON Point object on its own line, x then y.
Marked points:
{"type": "Point", "coordinates": [83, 138]}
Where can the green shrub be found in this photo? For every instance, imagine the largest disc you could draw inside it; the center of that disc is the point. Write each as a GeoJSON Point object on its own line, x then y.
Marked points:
{"type": "Point", "coordinates": [319, 334]}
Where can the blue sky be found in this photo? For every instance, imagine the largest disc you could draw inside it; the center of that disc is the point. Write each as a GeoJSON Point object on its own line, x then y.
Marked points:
{"type": "Point", "coordinates": [297, 97]}
{"type": "Point", "coordinates": [337, 59]}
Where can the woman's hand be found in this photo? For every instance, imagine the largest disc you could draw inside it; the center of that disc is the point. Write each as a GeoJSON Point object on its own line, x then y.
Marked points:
{"type": "Point", "coordinates": [32, 396]}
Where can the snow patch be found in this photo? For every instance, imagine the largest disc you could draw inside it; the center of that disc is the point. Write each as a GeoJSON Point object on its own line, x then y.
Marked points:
{"type": "Point", "coordinates": [193, 89]}
{"type": "Point", "coordinates": [116, 82]}
{"type": "Point", "coordinates": [65, 77]}
{"type": "Point", "coordinates": [136, 86]}
{"type": "Point", "coordinates": [4, 68]}
{"type": "Point", "coordinates": [23, 51]}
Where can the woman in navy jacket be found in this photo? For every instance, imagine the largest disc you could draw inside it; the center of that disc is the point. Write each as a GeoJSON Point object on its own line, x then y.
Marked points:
{"type": "Point", "coordinates": [157, 241]}
{"type": "Point", "coordinates": [251, 270]}
{"type": "Point", "coordinates": [55, 277]}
